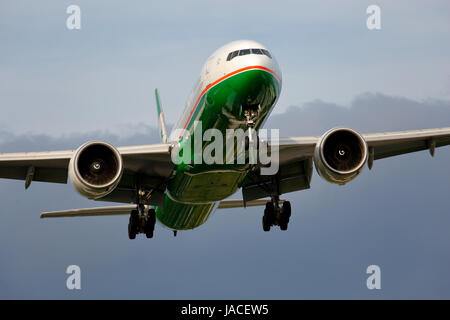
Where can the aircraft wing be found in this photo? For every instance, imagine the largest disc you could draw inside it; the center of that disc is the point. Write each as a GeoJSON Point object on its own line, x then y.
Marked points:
{"type": "Point", "coordinates": [388, 144]}
{"type": "Point", "coordinates": [151, 164]}
{"type": "Point", "coordinates": [50, 166]}
{"type": "Point", "coordinates": [296, 155]}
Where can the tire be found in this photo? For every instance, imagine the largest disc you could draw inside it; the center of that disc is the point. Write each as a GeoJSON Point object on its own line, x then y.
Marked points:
{"type": "Point", "coordinates": [152, 216]}
{"type": "Point", "coordinates": [285, 215]}
{"type": "Point", "coordinates": [149, 228]}
{"type": "Point", "coordinates": [134, 220]}
{"type": "Point", "coordinates": [269, 206]}
{"type": "Point", "coordinates": [266, 225]}
{"type": "Point", "coordinates": [131, 232]}
{"type": "Point", "coordinates": [269, 213]}
{"type": "Point", "coordinates": [286, 209]}
{"type": "Point", "coordinates": [150, 224]}
{"type": "Point", "coordinates": [149, 234]}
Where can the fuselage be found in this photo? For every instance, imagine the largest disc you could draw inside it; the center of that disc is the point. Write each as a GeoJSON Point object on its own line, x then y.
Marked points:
{"type": "Point", "coordinates": [240, 76]}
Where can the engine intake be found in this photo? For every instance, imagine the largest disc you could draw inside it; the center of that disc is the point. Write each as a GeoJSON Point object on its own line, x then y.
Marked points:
{"type": "Point", "coordinates": [340, 155]}
{"type": "Point", "coordinates": [95, 169]}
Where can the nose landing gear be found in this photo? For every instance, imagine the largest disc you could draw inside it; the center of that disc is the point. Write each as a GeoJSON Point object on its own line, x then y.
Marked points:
{"type": "Point", "coordinates": [276, 216]}
{"type": "Point", "coordinates": [251, 114]}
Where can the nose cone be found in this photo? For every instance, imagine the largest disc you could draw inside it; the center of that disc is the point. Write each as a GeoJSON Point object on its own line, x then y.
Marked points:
{"type": "Point", "coordinates": [256, 86]}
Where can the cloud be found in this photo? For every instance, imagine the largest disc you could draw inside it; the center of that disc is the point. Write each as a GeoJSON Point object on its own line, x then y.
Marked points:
{"type": "Point", "coordinates": [369, 112]}
{"type": "Point", "coordinates": [10, 142]}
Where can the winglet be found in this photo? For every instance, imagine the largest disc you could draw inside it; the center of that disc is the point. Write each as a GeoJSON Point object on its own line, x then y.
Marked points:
{"type": "Point", "coordinates": [162, 122]}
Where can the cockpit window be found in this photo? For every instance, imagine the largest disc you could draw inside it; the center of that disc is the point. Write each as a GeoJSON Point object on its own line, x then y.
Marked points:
{"type": "Point", "coordinates": [266, 53]}
{"type": "Point", "coordinates": [244, 52]}
{"type": "Point", "coordinates": [233, 54]}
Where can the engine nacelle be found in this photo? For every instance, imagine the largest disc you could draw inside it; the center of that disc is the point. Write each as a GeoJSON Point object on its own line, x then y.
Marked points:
{"type": "Point", "coordinates": [340, 155]}
{"type": "Point", "coordinates": [95, 169]}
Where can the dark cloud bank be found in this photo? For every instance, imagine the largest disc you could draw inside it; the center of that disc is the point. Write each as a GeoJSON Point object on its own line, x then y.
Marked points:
{"type": "Point", "coordinates": [396, 216]}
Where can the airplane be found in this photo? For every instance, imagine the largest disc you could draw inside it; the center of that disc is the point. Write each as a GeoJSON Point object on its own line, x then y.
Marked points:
{"type": "Point", "coordinates": [238, 88]}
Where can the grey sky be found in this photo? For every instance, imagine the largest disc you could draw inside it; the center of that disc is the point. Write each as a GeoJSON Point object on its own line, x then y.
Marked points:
{"type": "Point", "coordinates": [60, 88]}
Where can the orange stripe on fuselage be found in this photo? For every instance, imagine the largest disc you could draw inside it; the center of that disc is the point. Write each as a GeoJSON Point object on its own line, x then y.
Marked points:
{"type": "Point", "coordinates": [221, 79]}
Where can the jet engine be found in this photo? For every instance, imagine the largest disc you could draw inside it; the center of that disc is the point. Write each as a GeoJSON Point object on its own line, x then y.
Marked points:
{"type": "Point", "coordinates": [95, 169]}
{"type": "Point", "coordinates": [340, 155]}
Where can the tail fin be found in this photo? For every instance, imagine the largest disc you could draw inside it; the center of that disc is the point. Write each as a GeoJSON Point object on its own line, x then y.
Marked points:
{"type": "Point", "coordinates": [162, 122]}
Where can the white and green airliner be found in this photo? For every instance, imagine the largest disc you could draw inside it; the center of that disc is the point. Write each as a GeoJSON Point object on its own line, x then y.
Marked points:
{"type": "Point", "coordinates": [238, 88]}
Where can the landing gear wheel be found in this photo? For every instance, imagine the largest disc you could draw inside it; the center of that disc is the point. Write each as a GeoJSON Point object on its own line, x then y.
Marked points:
{"type": "Point", "coordinates": [149, 234]}
{"type": "Point", "coordinates": [134, 220]}
{"type": "Point", "coordinates": [150, 223]}
{"type": "Point", "coordinates": [269, 216]}
{"type": "Point", "coordinates": [131, 232]}
{"type": "Point", "coordinates": [266, 224]}
{"type": "Point", "coordinates": [133, 225]}
{"type": "Point", "coordinates": [285, 215]}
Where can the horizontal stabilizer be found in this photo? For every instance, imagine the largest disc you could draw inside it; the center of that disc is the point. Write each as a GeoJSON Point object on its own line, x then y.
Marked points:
{"type": "Point", "coordinates": [125, 210]}
{"type": "Point", "coordinates": [90, 212]}
{"type": "Point", "coordinates": [228, 204]}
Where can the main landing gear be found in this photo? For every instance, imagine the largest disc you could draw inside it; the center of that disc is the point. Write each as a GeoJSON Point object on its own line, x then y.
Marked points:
{"type": "Point", "coordinates": [141, 222]}
{"type": "Point", "coordinates": [276, 216]}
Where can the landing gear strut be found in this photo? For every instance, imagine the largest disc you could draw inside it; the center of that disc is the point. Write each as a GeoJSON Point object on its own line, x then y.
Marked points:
{"type": "Point", "coordinates": [250, 115]}
{"type": "Point", "coordinates": [276, 216]}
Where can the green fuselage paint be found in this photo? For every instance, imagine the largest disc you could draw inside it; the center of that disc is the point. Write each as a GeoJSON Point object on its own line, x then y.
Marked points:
{"type": "Point", "coordinates": [195, 190]}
